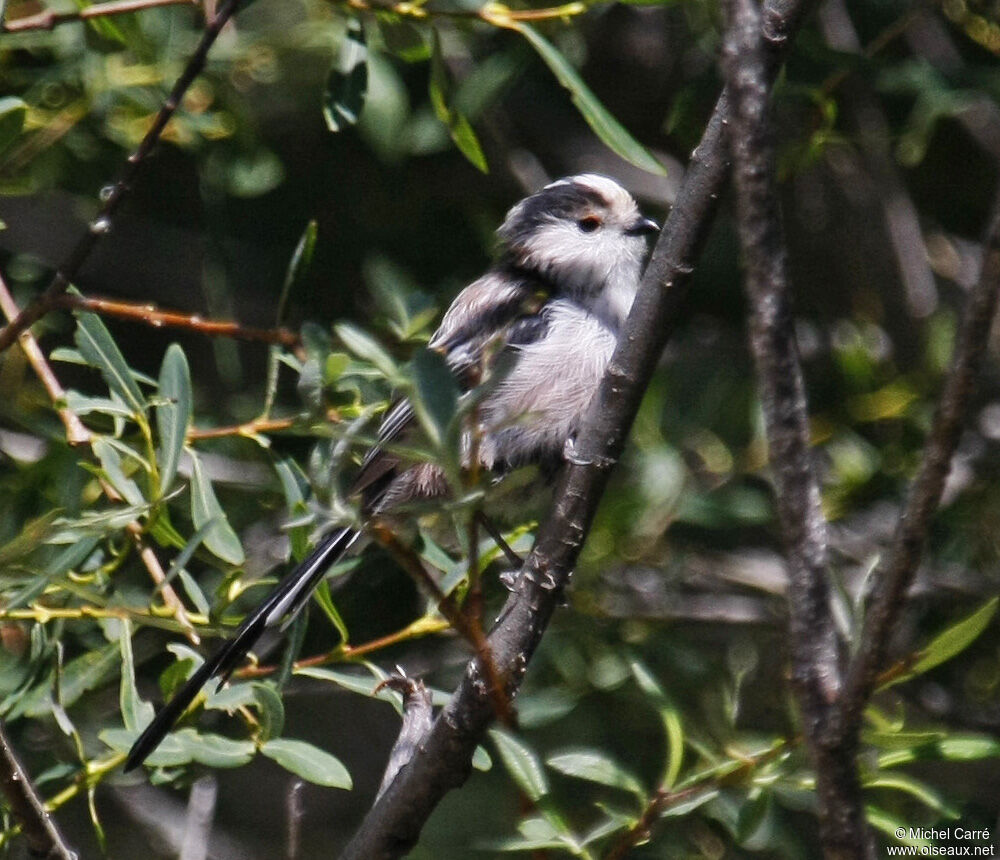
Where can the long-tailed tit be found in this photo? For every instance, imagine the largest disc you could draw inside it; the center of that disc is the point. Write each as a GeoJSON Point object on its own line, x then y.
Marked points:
{"type": "Point", "coordinates": [569, 262]}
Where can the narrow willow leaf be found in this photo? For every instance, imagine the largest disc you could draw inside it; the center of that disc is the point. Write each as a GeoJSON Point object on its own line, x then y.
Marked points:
{"type": "Point", "coordinates": [99, 350]}
{"type": "Point", "coordinates": [364, 346]}
{"type": "Point", "coordinates": [136, 713]}
{"type": "Point", "coordinates": [915, 788]}
{"type": "Point", "coordinates": [173, 413]}
{"type": "Point", "coordinates": [604, 125]}
{"type": "Point", "coordinates": [325, 599]}
{"type": "Point", "coordinates": [214, 750]}
{"type": "Point", "coordinates": [205, 508]}
{"type": "Point", "coordinates": [436, 401]}
{"type": "Point", "coordinates": [12, 114]}
{"type": "Point", "coordinates": [956, 638]}
{"type": "Point", "coordinates": [271, 709]}
{"type": "Point", "coordinates": [594, 766]}
{"type": "Point", "coordinates": [312, 764]}
{"type": "Point", "coordinates": [458, 125]}
{"type": "Point", "coordinates": [402, 38]}
{"type": "Point", "coordinates": [111, 465]}
{"type": "Point", "coordinates": [521, 763]}
{"type": "Point", "coordinates": [78, 676]}
{"type": "Point", "coordinates": [347, 81]}
{"type": "Point", "coordinates": [170, 752]}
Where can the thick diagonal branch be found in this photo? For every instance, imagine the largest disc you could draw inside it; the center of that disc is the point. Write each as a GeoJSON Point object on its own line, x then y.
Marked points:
{"type": "Point", "coordinates": [442, 761]}
{"type": "Point", "coordinates": [815, 657]}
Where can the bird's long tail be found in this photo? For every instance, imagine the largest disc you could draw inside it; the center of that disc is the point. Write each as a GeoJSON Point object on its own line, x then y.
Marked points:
{"type": "Point", "coordinates": [281, 605]}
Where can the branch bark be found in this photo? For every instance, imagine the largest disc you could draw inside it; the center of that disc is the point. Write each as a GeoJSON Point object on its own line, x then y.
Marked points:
{"type": "Point", "coordinates": [816, 669]}
{"type": "Point", "coordinates": [895, 575]}
{"type": "Point", "coordinates": [43, 837]}
{"type": "Point", "coordinates": [442, 761]}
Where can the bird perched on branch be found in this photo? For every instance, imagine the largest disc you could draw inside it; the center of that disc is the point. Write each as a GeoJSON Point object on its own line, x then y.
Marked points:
{"type": "Point", "coordinates": [569, 262]}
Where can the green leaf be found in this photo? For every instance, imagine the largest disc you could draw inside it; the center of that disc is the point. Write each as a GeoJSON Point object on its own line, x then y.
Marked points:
{"type": "Point", "coordinates": [325, 600]}
{"type": "Point", "coordinates": [99, 350]}
{"type": "Point", "coordinates": [111, 465]}
{"type": "Point", "coordinates": [12, 115]}
{"type": "Point", "coordinates": [481, 759]}
{"type": "Point", "coordinates": [969, 748]}
{"type": "Point", "coordinates": [271, 709]}
{"type": "Point", "coordinates": [78, 676]}
{"type": "Point", "coordinates": [402, 38]}
{"type": "Point", "coordinates": [545, 706]}
{"type": "Point", "coordinates": [173, 414]}
{"type": "Point", "coordinates": [956, 638]}
{"type": "Point", "coordinates": [670, 717]}
{"type": "Point", "coordinates": [347, 80]}
{"type": "Point", "coordinates": [214, 750]}
{"type": "Point", "coordinates": [604, 125]}
{"type": "Point", "coordinates": [364, 346]}
{"type": "Point", "coordinates": [436, 401]}
{"type": "Point", "coordinates": [913, 787]}
{"type": "Point", "coordinates": [456, 122]}
{"type": "Point", "coordinates": [205, 509]}
{"type": "Point", "coordinates": [521, 763]}
{"type": "Point", "coordinates": [294, 485]}
{"type": "Point", "coordinates": [594, 766]}
{"type": "Point", "coordinates": [312, 764]}
{"type": "Point", "coordinates": [136, 713]}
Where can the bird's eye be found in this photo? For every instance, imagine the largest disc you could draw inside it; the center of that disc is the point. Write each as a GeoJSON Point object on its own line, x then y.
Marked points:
{"type": "Point", "coordinates": [589, 224]}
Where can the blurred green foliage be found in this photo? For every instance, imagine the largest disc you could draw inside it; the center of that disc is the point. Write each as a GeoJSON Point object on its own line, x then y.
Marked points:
{"type": "Point", "coordinates": [660, 699]}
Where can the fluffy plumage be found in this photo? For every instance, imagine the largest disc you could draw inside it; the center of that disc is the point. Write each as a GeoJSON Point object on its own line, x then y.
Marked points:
{"type": "Point", "coordinates": [567, 269]}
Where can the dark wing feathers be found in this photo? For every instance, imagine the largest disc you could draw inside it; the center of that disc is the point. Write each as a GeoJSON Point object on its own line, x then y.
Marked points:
{"type": "Point", "coordinates": [475, 319]}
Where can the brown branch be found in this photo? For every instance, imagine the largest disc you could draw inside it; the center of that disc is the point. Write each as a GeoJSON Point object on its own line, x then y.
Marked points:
{"type": "Point", "coordinates": [640, 832]}
{"type": "Point", "coordinates": [443, 760]}
{"type": "Point", "coordinates": [48, 20]}
{"type": "Point", "coordinates": [345, 651]}
{"type": "Point", "coordinates": [816, 669]}
{"type": "Point", "coordinates": [76, 432]}
{"type": "Point", "coordinates": [467, 625]}
{"type": "Point", "coordinates": [43, 837]}
{"type": "Point", "coordinates": [70, 267]}
{"type": "Point", "coordinates": [150, 315]}
{"type": "Point", "coordinates": [896, 573]}
{"type": "Point", "coordinates": [248, 428]}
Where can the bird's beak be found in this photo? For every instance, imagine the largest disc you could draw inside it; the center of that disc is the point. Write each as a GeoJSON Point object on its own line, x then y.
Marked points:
{"type": "Point", "coordinates": [642, 227]}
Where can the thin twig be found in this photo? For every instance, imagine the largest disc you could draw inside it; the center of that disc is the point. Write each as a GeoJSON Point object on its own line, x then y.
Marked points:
{"type": "Point", "coordinates": [345, 652]}
{"type": "Point", "coordinates": [76, 432]}
{"type": "Point", "coordinates": [100, 226]}
{"type": "Point", "coordinates": [247, 428]}
{"type": "Point", "coordinates": [467, 625]}
{"type": "Point", "coordinates": [816, 669]}
{"type": "Point", "coordinates": [490, 12]}
{"type": "Point", "coordinates": [640, 832]}
{"type": "Point", "coordinates": [43, 837]}
{"type": "Point", "coordinates": [150, 315]}
{"type": "Point", "coordinates": [443, 760]}
{"type": "Point", "coordinates": [895, 575]}
{"type": "Point", "coordinates": [49, 19]}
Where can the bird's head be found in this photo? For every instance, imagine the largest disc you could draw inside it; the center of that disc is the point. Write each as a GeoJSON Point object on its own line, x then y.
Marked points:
{"type": "Point", "coordinates": [584, 235]}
